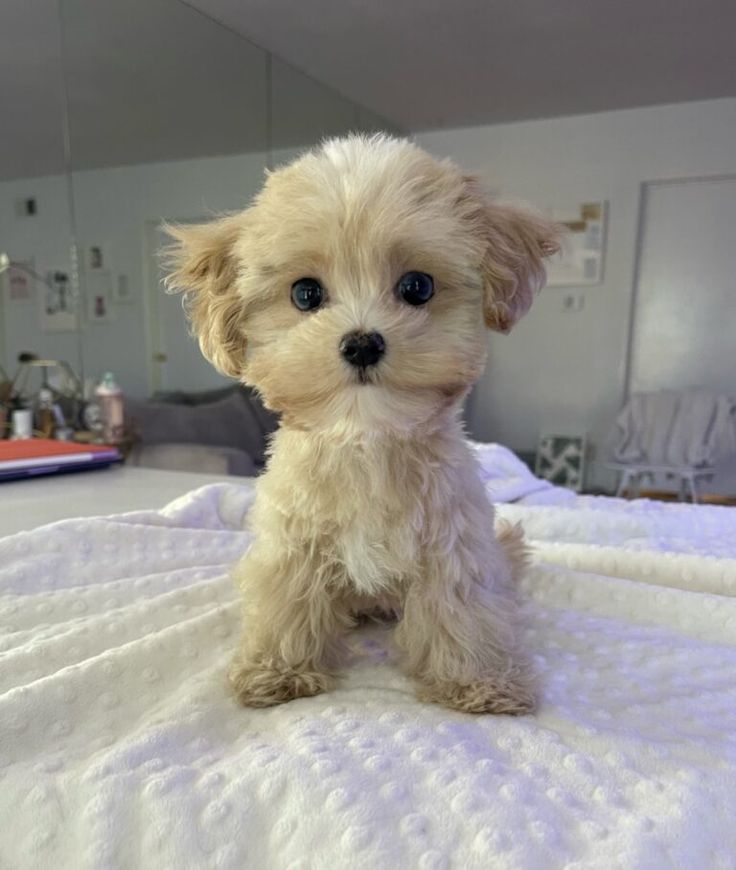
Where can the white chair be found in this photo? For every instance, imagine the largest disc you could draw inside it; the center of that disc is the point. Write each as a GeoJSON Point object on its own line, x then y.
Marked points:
{"type": "Point", "coordinates": [676, 434]}
{"type": "Point", "coordinates": [632, 476]}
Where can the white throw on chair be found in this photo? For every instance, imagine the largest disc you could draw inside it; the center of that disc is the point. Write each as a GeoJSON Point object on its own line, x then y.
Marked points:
{"type": "Point", "coordinates": [677, 434]}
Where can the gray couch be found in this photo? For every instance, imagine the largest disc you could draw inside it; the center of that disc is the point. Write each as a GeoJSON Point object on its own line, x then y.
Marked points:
{"type": "Point", "coordinates": [215, 432]}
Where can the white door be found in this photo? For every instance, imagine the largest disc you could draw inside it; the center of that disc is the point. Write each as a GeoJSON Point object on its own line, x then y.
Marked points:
{"type": "Point", "coordinates": [685, 315]}
{"type": "Point", "coordinates": [175, 361]}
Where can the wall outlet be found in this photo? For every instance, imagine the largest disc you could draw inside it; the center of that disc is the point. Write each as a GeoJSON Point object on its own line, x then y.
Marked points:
{"type": "Point", "coordinates": [573, 302]}
{"type": "Point", "coordinates": [26, 206]}
{"type": "Point", "coordinates": [97, 257]}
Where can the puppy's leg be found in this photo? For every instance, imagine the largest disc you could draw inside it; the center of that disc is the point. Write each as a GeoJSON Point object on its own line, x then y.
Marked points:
{"type": "Point", "coordinates": [460, 631]}
{"type": "Point", "coordinates": [292, 623]}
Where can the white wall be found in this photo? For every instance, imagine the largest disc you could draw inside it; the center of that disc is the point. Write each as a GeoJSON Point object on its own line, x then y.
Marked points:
{"type": "Point", "coordinates": [561, 370]}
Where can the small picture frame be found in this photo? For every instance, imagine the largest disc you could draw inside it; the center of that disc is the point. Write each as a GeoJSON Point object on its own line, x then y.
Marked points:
{"type": "Point", "coordinates": [99, 296]}
{"type": "Point", "coordinates": [122, 291]}
{"type": "Point", "coordinates": [579, 262]}
{"type": "Point", "coordinates": [19, 282]}
{"type": "Point", "coordinates": [58, 304]}
{"type": "Point", "coordinates": [561, 460]}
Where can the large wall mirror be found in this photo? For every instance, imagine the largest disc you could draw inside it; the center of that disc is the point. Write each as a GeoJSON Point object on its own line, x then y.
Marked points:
{"type": "Point", "coordinates": [38, 303]}
{"type": "Point", "coordinates": [146, 111]}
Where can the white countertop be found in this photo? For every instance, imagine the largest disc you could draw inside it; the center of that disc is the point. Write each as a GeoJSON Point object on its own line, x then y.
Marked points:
{"type": "Point", "coordinates": [31, 502]}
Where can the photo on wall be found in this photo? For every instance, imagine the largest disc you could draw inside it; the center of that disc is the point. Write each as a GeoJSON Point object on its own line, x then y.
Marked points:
{"type": "Point", "coordinates": [98, 291]}
{"type": "Point", "coordinates": [18, 281]}
{"type": "Point", "coordinates": [58, 305]}
{"type": "Point", "coordinates": [579, 262]}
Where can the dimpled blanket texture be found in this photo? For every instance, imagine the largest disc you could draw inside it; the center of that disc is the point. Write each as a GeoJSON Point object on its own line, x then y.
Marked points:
{"type": "Point", "coordinates": [121, 747]}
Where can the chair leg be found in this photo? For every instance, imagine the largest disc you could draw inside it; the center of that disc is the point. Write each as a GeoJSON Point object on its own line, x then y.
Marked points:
{"type": "Point", "coordinates": [623, 483]}
{"type": "Point", "coordinates": [693, 490]}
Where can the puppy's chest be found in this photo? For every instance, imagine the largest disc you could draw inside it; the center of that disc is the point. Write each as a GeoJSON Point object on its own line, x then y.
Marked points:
{"type": "Point", "coordinates": [378, 557]}
{"type": "Point", "coordinates": [374, 526]}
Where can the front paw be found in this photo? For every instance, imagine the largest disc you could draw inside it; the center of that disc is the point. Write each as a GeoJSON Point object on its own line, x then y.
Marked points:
{"type": "Point", "coordinates": [489, 695]}
{"type": "Point", "coordinates": [260, 685]}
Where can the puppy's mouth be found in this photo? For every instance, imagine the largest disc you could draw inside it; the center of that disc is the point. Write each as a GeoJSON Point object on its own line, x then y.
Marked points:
{"type": "Point", "coordinates": [366, 375]}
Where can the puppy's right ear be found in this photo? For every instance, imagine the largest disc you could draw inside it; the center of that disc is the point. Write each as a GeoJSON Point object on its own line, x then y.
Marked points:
{"type": "Point", "coordinates": [201, 264]}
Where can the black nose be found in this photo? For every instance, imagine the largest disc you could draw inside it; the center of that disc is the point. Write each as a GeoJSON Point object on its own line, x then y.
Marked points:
{"type": "Point", "coordinates": [362, 349]}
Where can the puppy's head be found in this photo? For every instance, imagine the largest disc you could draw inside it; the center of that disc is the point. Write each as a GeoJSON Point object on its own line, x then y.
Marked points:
{"type": "Point", "coordinates": [353, 293]}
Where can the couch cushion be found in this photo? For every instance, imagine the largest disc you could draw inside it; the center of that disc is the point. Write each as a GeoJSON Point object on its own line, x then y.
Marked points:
{"type": "Point", "coordinates": [199, 397]}
{"type": "Point", "coordinates": [193, 457]}
{"type": "Point", "coordinates": [230, 422]}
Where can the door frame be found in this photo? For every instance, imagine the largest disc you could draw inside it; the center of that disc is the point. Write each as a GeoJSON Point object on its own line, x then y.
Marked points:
{"type": "Point", "coordinates": [154, 334]}
{"type": "Point", "coordinates": [645, 189]}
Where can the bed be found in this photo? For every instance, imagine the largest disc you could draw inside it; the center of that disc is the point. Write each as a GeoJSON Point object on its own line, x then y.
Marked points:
{"type": "Point", "coordinates": [121, 748]}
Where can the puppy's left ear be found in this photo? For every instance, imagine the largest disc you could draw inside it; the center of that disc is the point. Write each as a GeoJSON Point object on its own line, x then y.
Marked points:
{"type": "Point", "coordinates": [201, 263]}
{"type": "Point", "coordinates": [517, 242]}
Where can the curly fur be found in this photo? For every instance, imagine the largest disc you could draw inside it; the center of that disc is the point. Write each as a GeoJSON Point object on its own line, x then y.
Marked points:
{"type": "Point", "coordinates": [371, 497]}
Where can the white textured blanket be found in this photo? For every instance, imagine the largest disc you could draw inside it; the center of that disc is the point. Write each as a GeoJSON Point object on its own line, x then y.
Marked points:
{"type": "Point", "coordinates": [120, 747]}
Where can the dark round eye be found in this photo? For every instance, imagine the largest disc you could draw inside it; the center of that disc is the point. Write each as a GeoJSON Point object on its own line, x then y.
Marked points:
{"type": "Point", "coordinates": [415, 288]}
{"type": "Point", "coordinates": [307, 294]}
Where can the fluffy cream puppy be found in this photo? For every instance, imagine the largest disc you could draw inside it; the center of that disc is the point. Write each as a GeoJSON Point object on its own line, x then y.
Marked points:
{"type": "Point", "coordinates": [354, 295]}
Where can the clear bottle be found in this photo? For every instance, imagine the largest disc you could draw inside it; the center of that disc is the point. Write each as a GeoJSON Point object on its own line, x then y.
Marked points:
{"type": "Point", "coordinates": [109, 397]}
{"type": "Point", "coordinates": [45, 419]}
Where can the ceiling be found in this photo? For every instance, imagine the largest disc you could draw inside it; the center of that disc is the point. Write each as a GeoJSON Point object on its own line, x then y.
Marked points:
{"type": "Point", "coordinates": [31, 97]}
{"type": "Point", "coordinates": [435, 63]}
{"type": "Point", "coordinates": [146, 81]}
{"type": "Point", "coordinates": [154, 80]}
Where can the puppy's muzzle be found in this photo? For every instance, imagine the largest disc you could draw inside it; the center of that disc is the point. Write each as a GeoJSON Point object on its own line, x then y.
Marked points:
{"type": "Point", "coordinates": [362, 349]}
